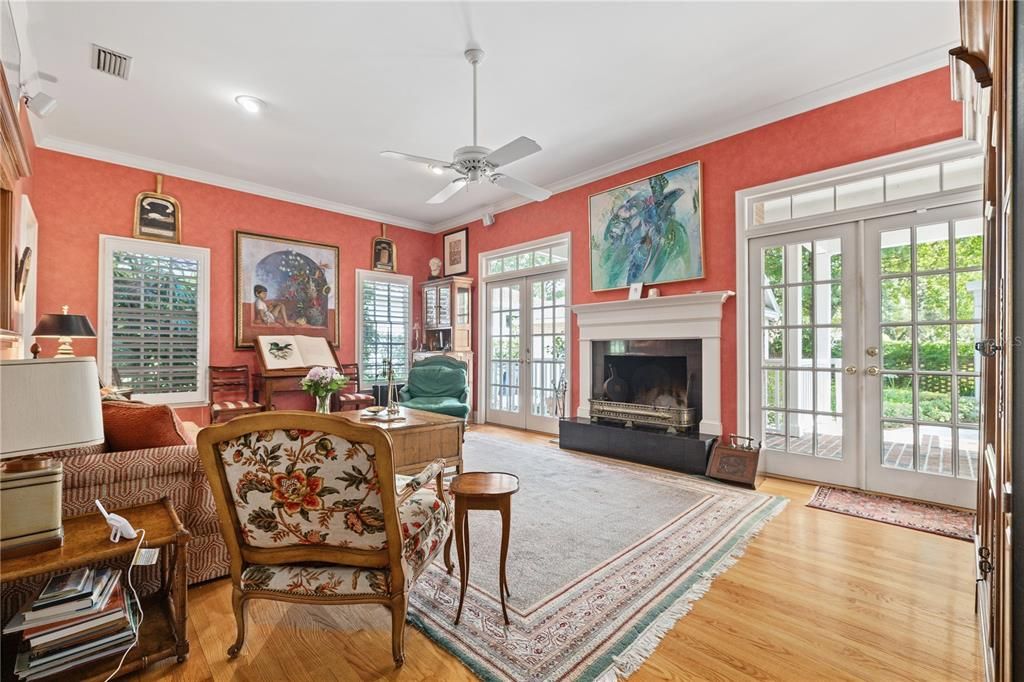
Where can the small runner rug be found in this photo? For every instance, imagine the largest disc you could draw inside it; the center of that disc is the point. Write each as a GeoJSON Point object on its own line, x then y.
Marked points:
{"type": "Point", "coordinates": [604, 558]}
{"type": "Point", "coordinates": [931, 518]}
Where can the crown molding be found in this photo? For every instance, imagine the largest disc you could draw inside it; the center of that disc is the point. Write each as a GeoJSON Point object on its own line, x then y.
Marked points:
{"type": "Point", "coordinates": [98, 153]}
{"type": "Point", "coordinates": [870, 80]}
{"type": "Point", "coordinates": [855, 85]}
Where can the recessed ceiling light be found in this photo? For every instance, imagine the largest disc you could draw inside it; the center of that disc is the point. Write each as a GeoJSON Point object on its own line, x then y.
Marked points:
{"type": "Point", "coordinates": [253, 105]}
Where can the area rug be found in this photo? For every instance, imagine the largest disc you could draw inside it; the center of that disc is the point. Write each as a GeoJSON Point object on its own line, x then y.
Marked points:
{"type": "Point", "coordinates": [604, 558]}
{"type": "Point", "coordinates": [931, 518]}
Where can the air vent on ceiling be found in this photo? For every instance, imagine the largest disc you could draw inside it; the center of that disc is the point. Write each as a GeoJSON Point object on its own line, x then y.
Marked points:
{"type": "Point", "coordinates": [108, 61]}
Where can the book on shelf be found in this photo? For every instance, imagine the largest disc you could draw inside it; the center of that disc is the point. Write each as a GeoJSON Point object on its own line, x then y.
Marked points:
{"type": "Point", "coordinates": [61, 649]}
{"type": "Point", "coordinates": [107, 580]}
{"type": "Point", "coordinates": [63, 587]}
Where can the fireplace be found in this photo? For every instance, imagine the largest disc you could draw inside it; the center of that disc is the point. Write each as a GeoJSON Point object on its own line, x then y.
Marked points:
{"type": "Point", "coordinates": [653, 382]}
{"type": "Point", "coordinates": [667, 355]}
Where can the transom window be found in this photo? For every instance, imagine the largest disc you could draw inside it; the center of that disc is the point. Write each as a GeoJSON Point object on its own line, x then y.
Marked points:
{"type": "Point", "coordinates": [877, 189]}
{"type": "Point", "coordinates": [154, 319]}
{"type": "Point", "coordinates": [528, 259]}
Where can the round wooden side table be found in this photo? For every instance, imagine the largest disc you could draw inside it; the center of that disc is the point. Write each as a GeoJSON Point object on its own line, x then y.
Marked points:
{"type": "Point", "coordinates": [482, 490]}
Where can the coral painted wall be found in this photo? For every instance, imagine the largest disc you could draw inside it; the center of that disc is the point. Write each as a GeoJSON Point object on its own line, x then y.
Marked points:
{"type": "Point", "coordinates": [77, 199]}
{"type": "Point", "coordinates": [907, 114]}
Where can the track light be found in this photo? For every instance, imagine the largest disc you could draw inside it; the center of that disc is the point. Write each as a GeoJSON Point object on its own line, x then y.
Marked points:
{"type": "Point", "coordinates": [40, 104]}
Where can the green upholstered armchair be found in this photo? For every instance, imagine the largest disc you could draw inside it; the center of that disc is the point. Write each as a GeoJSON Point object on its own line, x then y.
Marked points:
{"type": "Point", "coordinates": [437, 384]}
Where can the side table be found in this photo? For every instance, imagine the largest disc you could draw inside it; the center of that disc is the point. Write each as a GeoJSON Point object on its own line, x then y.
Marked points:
{"type": "Point", "coordinates": [87, 541]}
{"type": "Point", "coordinates": [482, 490]}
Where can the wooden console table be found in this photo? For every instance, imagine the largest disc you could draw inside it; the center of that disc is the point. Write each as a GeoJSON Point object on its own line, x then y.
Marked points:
{"type": "Point", "coordinates": [420, 438]}
{"type": "Point", "coordinates": [87, 541]}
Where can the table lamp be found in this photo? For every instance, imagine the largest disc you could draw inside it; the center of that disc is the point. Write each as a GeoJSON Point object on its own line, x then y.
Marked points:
{"type": "Point", "coordinates": [45, 405]}
{"type": "Point", "coordinates": [64, 327]}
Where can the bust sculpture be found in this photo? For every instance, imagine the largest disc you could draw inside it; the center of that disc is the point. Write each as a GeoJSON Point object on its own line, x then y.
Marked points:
{"type": "Point", "coordinates": [435, 268]}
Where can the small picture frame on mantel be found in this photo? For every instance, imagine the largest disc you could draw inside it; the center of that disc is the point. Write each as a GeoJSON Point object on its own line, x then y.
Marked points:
{"type": "Point", "coordinates": [636, 290]}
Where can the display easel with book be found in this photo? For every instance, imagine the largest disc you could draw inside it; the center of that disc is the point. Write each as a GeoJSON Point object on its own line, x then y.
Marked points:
{"type": "Point", "coordinates": [283, 360]}
{"type": "Point", "coordinates": [85, 619]}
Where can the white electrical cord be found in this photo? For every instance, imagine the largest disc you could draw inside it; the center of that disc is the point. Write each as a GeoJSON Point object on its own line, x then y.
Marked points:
{"type": "Point", "coordinates": [138, 604]}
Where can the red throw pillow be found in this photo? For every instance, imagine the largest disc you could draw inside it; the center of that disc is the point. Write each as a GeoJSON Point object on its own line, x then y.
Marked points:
{"type": "Point", "coordinates": [130, 425]}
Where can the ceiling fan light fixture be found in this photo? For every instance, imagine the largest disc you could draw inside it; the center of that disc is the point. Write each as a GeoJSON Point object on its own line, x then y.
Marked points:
{"type": "Point", "coordinates": [253, 105]}
{"type": "Point", "coordinates": [436, 170]}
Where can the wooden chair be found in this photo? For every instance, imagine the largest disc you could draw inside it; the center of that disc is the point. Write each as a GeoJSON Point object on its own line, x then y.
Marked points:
{"type": "Point", "coordinates": [311, 513]}
{"type": "Point", "coordinates": [350, 397]}
{"type": "Point", "coordinates": [231, 393]}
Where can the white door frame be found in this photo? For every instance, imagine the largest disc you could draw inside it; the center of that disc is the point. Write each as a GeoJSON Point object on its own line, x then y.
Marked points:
{"type": "Point", "coordinates": [482, 329]}
{"type": "Point", "coordinates": [746, 230]}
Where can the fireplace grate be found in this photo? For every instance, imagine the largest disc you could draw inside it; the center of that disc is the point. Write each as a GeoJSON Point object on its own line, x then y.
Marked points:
{"type": "Point", "coordinates": [673, 419]}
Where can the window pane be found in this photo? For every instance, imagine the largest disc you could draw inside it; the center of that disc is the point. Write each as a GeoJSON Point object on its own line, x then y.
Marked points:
{"type": "Point", "coordinates": [774, 389]}
{"type": "Point", "coordinates": [542, 257]}
{"type": "Point", "coordinates": [828, 392]}
{"type": "Point", "coordinates": [860, 193]}
{"type": "Point", "coordinates": [811, 203]}
{"type": "Point", "coordinates": [493, 266]}
{"type": "Point", "coordinates": [968, 400]}
{"type": "Point", "coordinates": [830, 301]}
{"type": "Point", "coordinates": [935, 398]}
{"type": "Point", "coordinates": [933, 247]}
{"type": "Point", "coordinates": [933, 297]}
{"type": "Point", "coordinates": [828, 344]}
{"type": "Point", "coordinates": [968, 295]}
{"type": "Point", "coordinates": [935, 449]}
{"type": "Point", "coordinates": [774, 302]}
{"type": "Point", "coordinates": [897, 348]}
{"type": "Point", "coordinates": [801, 347]}
{"type": "Point", "coordinates": [962, 172]}
{"type": "Point", "coordinates": [934, 351]}
{"type": "Point", "coordinates": [775, 430]}
{"type": "Point", "coordinates": [897, 445]}
{"type": "Point", "coordinates": [773, 346]}
{"type": "Point", "coordinates": [828, 434]}
{"type": "Point", "coordinates": [801, 434]}
{"type": "Point", "coordinates": [912, 183]}
{"type": "Point", "coordinates": [967, 447]}
{"type": "Point", "coordinates": [968, 243]}
{"type": "Point", "coordinates": [828, 259]}
{"type": "Point", "coordinates": [771, 211]}
{"type": "Point", "coordinates": [896, 299]}
{"type": "Point", "coordinates": [966, 356]}
{"type": "Point", "coordinates": [386, 314]}
{"type": "Point", "coordinates": [800, 390]}
{"type": "Point", "coordinates": [772, 261]}
{"type": "Point", "coordinates": [895, 248]}
{"type": "Point", "coordinates": [897, 396]}
{"type": "Point", "coordinates": [560, 253]}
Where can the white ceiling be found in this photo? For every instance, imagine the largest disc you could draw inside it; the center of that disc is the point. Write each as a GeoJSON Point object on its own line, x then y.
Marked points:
{"type": "Point", "coordinates": [600, 85]}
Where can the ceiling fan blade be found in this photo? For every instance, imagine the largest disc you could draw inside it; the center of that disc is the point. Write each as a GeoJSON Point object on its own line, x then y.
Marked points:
{"type": "Point", "coordinates": [448, 192]}
{"type": "Point", "coordinates": [520, 187]}
{"type": "Point", "coordinates": [519, 148]}
{"type": "Point", "coordinates": [436, 163]}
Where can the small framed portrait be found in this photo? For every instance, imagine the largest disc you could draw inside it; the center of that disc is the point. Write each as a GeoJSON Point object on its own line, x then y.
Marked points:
{"type": "Point", "coordinates": [385, 255]}
{"type": "Point", "coordinates": [456, 253]}
{"type": "Point", "coordinates": [157, 215]}
{"type": "Point", "coordinates": [636, 290]}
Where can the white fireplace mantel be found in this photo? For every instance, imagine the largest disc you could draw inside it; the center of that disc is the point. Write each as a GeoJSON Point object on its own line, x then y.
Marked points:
{"type": "Point", "coordinates": [687, 316]}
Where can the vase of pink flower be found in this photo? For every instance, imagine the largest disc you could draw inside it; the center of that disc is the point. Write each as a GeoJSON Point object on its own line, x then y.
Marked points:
{"type": "Point", "coordinates": [322, 383]}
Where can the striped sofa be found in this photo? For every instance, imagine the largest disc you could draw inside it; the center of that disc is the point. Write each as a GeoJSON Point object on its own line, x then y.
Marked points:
{"type": "Point", "coordinates": [122, 479]}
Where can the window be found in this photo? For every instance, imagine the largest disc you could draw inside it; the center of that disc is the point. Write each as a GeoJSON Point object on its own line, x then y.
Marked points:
{"type": "Point", "coordinates": [875, 189]}
{"type": "Point", "coordinates": [384, 306]}
{"type": "Point", "coordinates": [155, 318]}
{"type": "Point", "coordinates": [549, 254]}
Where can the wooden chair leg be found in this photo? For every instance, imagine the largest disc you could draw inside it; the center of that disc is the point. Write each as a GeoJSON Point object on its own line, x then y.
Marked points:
{"type": "Point", "coordinates": [238, 602]}
{"type": "Point", "coordinates": [399, 610]}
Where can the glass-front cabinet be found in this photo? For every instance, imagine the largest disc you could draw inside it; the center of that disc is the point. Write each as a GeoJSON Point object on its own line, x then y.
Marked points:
{"type": "Point", "coordinates": [447, 319]}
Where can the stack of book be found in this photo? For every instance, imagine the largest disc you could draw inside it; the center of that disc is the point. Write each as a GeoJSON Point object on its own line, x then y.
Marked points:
{"type": "Point", "coordinates": [78, 617]}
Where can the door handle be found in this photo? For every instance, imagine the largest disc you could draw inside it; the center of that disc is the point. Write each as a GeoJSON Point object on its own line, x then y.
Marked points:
{"type": "Point", "coordinates": [852, 369]}
{"type": "Point", "coordinates": [873, 371]}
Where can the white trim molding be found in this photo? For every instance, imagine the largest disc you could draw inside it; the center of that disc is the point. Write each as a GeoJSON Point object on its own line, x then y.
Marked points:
{"type": "Point", "coordinates": [686, 316]}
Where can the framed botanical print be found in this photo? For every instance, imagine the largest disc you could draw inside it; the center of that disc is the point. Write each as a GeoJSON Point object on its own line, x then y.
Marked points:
{"type": "Point", "coordinates": [648, 231]}
{"type": "Point", "coordinates": [157, 215]}
{"type": "Point", "coordinates": [285, 286]}
{"type": "Point", "coordinates": [456, 253]}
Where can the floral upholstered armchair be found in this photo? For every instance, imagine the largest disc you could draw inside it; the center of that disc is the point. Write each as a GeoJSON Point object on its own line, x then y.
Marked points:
{"type": "Point", "coordinates": [311, 512]}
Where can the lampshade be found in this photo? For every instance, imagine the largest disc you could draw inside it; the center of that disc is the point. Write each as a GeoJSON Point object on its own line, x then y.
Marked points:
{"type": "Point", "coordinates": [55, 324]}
{"type": "Point", "coordinates": [50, 404]}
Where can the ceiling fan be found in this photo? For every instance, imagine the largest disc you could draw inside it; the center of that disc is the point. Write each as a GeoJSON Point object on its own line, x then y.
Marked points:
{"type": "Point", "coordinates": [475, 163]}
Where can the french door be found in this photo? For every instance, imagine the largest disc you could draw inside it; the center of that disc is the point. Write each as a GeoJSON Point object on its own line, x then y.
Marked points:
{"type": "Point", "coordinates": [864, 371]}
{"type": "Point", "coordinates": [526, 350]}
{"type": "Point", "coordinates": [804, 397]}
{"type": "Point", "coordinates": [923, 378]}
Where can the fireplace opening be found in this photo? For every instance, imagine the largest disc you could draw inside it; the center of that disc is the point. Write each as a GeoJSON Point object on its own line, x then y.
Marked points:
{"type": "Point", "coordinates": [647, 382]}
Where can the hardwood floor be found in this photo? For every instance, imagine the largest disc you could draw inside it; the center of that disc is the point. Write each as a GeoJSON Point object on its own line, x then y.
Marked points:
{"type": "Point", "coordinates": [817, 596]}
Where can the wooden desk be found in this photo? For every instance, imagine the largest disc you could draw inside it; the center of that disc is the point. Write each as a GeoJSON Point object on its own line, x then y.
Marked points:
{"type": "Point", "coordinates": [420, 438]}
{"type": "Point", "coordinates": [87, 541]}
